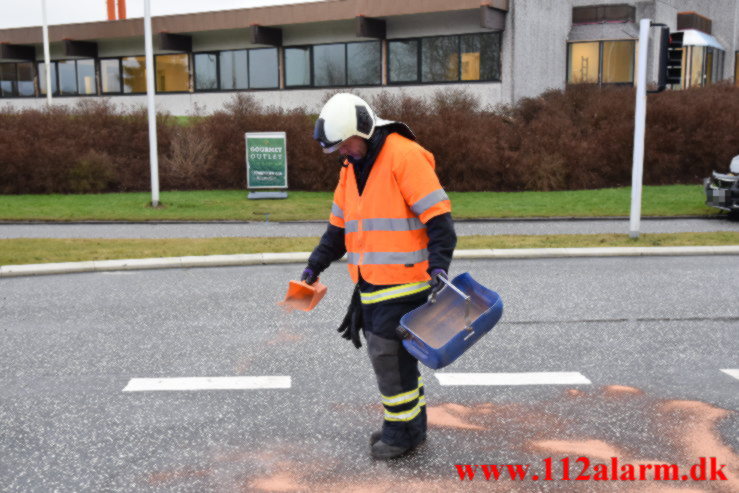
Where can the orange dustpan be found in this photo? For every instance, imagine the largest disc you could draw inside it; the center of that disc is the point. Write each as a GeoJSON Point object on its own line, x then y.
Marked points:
{"type": "Point", "coordinates": [303, 296]}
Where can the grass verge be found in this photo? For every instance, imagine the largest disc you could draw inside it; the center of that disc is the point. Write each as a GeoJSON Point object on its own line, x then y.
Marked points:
{"type": "Point", "coordinates": [35, 251]}
{"type": "Point", "coordinates": [669, 200]}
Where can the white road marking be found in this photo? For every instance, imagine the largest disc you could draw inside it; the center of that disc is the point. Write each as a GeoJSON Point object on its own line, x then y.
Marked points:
{"type": "Point", "coordinates": [732, 372]}
{"type": "Point", "coordinates": [208, 383]}
{"type": "Point", "coordinates": [528, 378]}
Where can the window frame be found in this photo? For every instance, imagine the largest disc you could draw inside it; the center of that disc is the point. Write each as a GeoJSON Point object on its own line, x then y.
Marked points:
{"type": "Point", "coordinates": [120, 74]}
{"type": "Point", "coordinates": [310, 67]}
{"type": "Point", "coordinates": [120, 79]}
{"type": "Point", "coordinates": [600, 62]}
{"type": "Point", "coordinates": [190, 72]}
{"type": "Point", "coordinates": [219, 82]}
{"type": "Point", "coordinates": [217, 54]}
{"type": "Point", "coordinates": [94, 70]}
{"type": "Point", "coordinates": [55, 82]}
{"type": "Point", "coordinates": [313, 68]}
{"type": "Point", "coordinates": [346, 63]}
{"type": "Point", "coordinates": [76, 92]}
{"type": "Point", "coordinates": [16, 88]}
{"type": "Point", "coordinates": [122, 92]}
{"type": "Point", "coordinates": [14, 83]}
{"type": "Point", "coordinates": [419, 60]}
{"type": "Point", "coordinates": [312, 62]}
{"type": "Point", "coordinates": [716, 72]}
{"type": "Point", "coordinates": [38, 82]}
{"type": "Point", "coordinates": [282, 68]}
{"type": "Point", "coordinates": [240, 89]}
{"type": "Point", "coordinates": [279, 73]}
{"type": "Point", "coordinates": [459, 59]}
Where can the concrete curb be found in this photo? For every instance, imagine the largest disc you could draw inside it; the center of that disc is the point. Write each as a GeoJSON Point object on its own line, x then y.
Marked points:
{"type": "Point", "coordinates": [302, 257]}
{"type": "Point", "coordinates": [21, 222]}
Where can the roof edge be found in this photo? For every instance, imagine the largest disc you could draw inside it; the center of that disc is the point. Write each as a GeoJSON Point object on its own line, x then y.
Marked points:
{"type": "Point", "coordinates": [276, 15]}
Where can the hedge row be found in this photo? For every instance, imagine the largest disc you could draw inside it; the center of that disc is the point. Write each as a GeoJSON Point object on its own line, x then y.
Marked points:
{"type": "Point", "coordinates": [579, 138]}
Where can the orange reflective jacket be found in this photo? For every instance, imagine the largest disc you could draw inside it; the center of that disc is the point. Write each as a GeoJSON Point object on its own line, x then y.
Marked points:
{"type": "Point", "coordinates": [384, 228]}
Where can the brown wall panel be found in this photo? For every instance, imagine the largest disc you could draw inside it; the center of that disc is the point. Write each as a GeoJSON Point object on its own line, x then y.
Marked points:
{"type": "Point", "coordinates": [280, 15]}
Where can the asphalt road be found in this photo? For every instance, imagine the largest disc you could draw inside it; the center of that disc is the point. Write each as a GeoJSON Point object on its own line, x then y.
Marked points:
{"type": "Point", "coordinates": [261, 229]}
{"type": "Point", "coordinates": [650, 334]}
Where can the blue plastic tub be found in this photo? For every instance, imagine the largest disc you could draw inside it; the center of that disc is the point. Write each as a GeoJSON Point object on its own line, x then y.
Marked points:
{"type": "Point", "coordinates": [438, 332]}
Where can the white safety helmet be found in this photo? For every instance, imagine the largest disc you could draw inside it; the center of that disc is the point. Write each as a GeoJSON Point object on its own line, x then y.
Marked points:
{"type": "Point", "coordinates": [734, 166]}
{"type": "Point", "coordinates": [344, 115]}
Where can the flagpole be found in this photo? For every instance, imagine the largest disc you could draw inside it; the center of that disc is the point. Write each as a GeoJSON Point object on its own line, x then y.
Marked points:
{"type": "Point", "coordinates": [150, 88]}
{"type": "Point", "coordinates": [47, 62]}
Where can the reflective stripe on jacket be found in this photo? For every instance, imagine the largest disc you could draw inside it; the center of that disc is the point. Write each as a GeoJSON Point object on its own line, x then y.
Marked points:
{"type": "Point", "coordinates": [385, 230]}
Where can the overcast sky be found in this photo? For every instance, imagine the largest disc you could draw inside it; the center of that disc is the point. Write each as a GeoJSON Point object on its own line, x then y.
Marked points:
{"type": "Point", "coordinates": [15, 13]}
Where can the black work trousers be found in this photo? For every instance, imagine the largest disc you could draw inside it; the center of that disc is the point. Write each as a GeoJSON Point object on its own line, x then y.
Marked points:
{"type": "Point", "coordinates": [396, 370]}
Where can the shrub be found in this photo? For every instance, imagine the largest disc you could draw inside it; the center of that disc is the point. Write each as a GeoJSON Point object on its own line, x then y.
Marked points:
{"type": "Point", "coordinates": [308, 167]}
{"type": "Point", "coordinates": [578, 138]}
{"type": "Point", "coordinates": [92, 173]}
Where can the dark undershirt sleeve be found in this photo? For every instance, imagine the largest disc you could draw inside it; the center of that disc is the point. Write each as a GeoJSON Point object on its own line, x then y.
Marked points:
{"type": "Point", "coordinates": [329, 249]}
{"type": "Point", "coordinates": [442, 240]}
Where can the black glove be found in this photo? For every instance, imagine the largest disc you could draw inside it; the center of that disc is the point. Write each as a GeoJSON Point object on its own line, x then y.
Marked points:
{"type": "Point", "coordinates": [353, 321]}
{"type": "Point", "coordinates": [309, 276]}
{"type": "Point", "coordinates": [436, 283]}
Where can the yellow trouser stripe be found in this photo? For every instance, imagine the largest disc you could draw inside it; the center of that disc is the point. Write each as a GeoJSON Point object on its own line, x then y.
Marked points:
{"type": "Point", "coordinates": [400, 398]}
{"type": "Point", "coordinates": [394, 292]}
{"type": "Point", "coordinates": [404, 416]}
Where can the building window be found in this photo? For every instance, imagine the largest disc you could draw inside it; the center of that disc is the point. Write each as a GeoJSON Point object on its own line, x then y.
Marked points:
{"type": "Point", "coordinates": [584, 63]}
{"type": "Point", "coordinates": [403, 61]}
{"type": "Point", "coordinates": [263, 68]}
{"type": "Point", "coordinates": [297, 67]}
{"type": "Point", "coordinates": [234, 69]}
{"type": "Point", "coordinates": [17, 79]}
{"type": "Point", "coordinates": [486, 49]}
{"type": "Point", "coordinates": [133, 71]}
{"type": "Point", "coordinates": [603, 14]}
{"type": "Point", "coordinates": [618, 62]}
{"type": "Point", "coordinates": [710, 55]}
{"type": "Point", "coordinates": [172, 72]}
{"type": "Point", "coordinates": [334, 65]}
{"type": "Point", "coordinates": [606, 62]}
{"type": "Point", "coordinates": [695, 67]}
{"type": "Point", "coordinates": [26, 86]}
{"type": "Point", "coordinates": [364, 63]}
{"type": "Point", "coordinates": [67, 72]}
{"type": "Point", "coordinates": [467, 57]}
{"type": "Point", "coordinates": [329, 65]}
{"type": "Point", "coordinates": [42, 77]}
{"type": "Point", "coordinates": [110, 76]}
{"type": "Point", "coordinates": [7, 80]}
{"type": "Point", "coordinates": [206, 71]}
{"type": "Point", "coordinates": [702, 66]}
{"type": "Point", "coordinates": [86, 81]}
{"type": "Point", "coordinates": [440, 59]}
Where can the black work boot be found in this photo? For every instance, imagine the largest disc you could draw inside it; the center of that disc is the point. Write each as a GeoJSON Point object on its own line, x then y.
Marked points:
{"type": "Point", "coordinates": [375, 437]}
{"type": "Point", "coordinates": [383, 451]}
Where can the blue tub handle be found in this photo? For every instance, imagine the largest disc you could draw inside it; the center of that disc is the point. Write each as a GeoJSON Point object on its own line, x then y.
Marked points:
{"type": "Point", "coordinates": [467, 302]}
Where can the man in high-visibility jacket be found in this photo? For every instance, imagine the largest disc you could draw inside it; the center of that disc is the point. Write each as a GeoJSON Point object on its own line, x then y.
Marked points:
{"type": "Point", "coordinates": [392, 218]}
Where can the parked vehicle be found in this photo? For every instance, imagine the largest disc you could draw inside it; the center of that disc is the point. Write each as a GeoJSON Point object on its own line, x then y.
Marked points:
{"type": "Point", "coordinates": [722, 190]}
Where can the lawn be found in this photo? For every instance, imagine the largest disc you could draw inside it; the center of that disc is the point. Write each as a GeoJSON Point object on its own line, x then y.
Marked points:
{"type": "Point", "coordinates": [670, 200]}
{"type": "Point", "coordinates": [34, 251]}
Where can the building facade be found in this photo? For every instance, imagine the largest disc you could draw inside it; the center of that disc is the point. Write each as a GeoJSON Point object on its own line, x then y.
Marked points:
{"type": "Point", "coordinates": [293, 55]}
